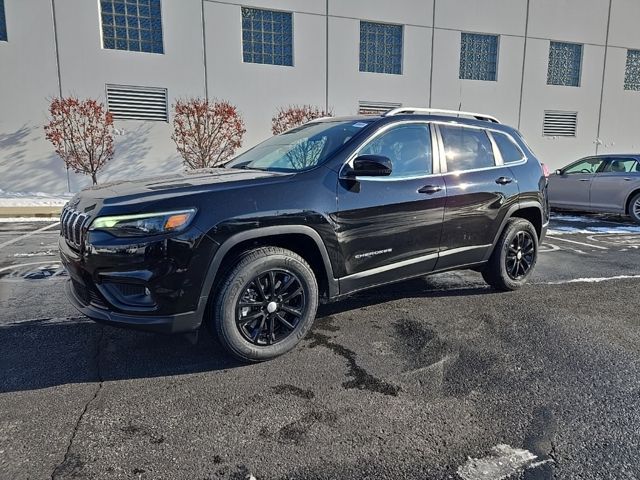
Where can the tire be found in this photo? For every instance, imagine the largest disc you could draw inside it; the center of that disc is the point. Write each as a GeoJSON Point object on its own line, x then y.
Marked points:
{"type": "Point", "coordinates": [634, 208]}
{"type": "Point", "coordinates": [247, 293]}
{"type": "Point", "coordinates": [517, 245]}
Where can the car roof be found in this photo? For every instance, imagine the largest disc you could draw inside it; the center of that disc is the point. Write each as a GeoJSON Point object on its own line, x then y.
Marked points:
{"type": "Point", "coordinates": [615, 155]}
{"type": "Point", "coordinates": [416, 116]}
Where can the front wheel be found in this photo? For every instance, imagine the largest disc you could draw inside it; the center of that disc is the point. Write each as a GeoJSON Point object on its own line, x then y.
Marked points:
{"type": "Point", "coordinates": [514, 256]}
{"type": "Point", "coordinates": [634, 208]}
{"type": "Point", "coordinates": [266, 304]}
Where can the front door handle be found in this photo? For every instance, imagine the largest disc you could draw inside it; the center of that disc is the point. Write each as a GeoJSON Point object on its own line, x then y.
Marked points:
{"type": "Point", "coordinates": [430, 189]}
{"type": "Point", "coordinates": [584, 179]}
{"type": "Point", "coordinates": [504, 180]}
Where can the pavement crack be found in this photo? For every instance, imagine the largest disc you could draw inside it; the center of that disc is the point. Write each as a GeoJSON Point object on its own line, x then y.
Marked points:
{"type": "Point", "coordinates": [361, 379]}
{"type": "Point", "coordinates": [68, 460]}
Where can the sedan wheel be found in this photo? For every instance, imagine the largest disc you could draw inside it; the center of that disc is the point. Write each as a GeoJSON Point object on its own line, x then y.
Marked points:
{"type": "Point", "coordinates": [634, 208]}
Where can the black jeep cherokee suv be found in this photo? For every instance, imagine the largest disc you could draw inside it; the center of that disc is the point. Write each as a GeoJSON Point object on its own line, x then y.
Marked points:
{"type": "Point", "coordinates": [324, 210]}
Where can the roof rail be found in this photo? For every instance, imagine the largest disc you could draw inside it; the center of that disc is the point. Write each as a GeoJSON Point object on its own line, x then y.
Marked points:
{"type": "Point", "coordinates": [439, 111]}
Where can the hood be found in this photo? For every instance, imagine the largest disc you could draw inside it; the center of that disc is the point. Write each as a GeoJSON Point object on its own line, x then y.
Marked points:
{"type": "Point", "coordinates": [150, 190]}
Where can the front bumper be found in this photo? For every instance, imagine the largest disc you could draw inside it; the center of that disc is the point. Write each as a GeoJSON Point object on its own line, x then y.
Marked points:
{"type": "Point", "coordinates": [154, 286]}
{"type": "Point", "coordinates": [178, 323]}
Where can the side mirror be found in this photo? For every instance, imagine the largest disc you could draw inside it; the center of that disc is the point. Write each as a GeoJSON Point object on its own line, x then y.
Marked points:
{"type": "Point", "coordinates": [558, 172]}
{"type": "Point", "coordinates": [370, 166]}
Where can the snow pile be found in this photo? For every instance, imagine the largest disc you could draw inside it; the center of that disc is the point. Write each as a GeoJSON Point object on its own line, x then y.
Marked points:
{"type": "Point", "coordinates": [32, 199]}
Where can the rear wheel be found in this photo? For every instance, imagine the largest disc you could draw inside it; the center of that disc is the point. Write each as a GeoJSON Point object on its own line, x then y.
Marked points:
{"type": "Point", "coordinates": [514, 256]}
{"type": "Point", "coordinates": [266, 304]}
{"type": "Point", "coordinates": [634, 208]}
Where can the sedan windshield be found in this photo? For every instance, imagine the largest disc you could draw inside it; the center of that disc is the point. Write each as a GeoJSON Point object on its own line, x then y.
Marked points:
{"type": "Point", "coordinates": [301, 148]}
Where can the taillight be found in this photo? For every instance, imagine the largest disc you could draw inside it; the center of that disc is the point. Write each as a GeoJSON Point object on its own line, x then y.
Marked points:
{"type": "Point", "coordinates": [545, 170]}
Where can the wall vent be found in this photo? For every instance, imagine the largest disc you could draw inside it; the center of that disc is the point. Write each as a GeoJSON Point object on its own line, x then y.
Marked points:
{"type": "Point", "coordinates": [559, 124]}
{"type": "Point", "coordinates": [138, 103]}
{"type": "Point", "coordinates": [376, 108]}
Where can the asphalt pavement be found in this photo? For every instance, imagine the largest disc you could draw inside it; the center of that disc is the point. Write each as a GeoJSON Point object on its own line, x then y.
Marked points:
{"type": "Point", "coordinates": [436, 378]}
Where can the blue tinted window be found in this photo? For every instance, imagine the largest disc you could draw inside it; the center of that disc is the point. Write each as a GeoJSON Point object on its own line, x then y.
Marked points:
{"type": "Point", "coordinates": [380, 48]}
{"type": "Point", "coordinates": [3, 22]}
{"type": "Point", "coordinates": [267, 37]}
{"type": "Point", "coordinates": [134, 25]}
{"type": "Point", "coordinates": [478, 57]}
{"type": "Point", "coordinates": [565, 61]}
{"type": "Point", "coordinates": [632, 70]}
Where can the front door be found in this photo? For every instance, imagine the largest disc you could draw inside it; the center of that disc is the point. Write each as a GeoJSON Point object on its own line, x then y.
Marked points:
{"type": "Point", "coordinates": [572, 187]}
{"type": "Point", "coordinates": [389, 227]}
{"type": "Point", "coordinates": [480, 191]}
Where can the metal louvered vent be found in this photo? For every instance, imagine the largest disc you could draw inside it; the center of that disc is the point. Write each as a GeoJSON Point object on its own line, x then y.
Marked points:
{"type": "Point", "coordinates": [376, 108]}
{"type": "Point", "coordinates": [559, 124]}
{"type": "Point", "coordinates": [137, 103]}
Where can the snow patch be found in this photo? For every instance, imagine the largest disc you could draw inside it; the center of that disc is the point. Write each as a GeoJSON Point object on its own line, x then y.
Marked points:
{"type": "Point", "coordinates": [593, 279]}
{"type": "Point", "coordinates": [560, 230]}
{"type": "Point", "coordinates": [501, 463]}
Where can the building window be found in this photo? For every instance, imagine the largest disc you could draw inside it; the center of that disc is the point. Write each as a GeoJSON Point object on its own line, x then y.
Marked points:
{"type": "Point", "coordinates": [565, 61]}
{"type": "Point", "coordinates": [134, 25]}
{"type": "Point", "coordinates": [3, 23]}
{"type": "Point", "coordinates": [380, 48]}
{"type": "Point", "coordinates": [632, 70]}
{"type": "Point", "coordinates": [478, 57]}
{"type": "Point", "coordinates": [267, 37]}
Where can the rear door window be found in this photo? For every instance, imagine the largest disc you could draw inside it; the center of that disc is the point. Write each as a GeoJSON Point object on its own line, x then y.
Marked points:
{"type": "Point", "coordinates": [621, 165]}
{"type": "Point", "coordinates": [466, 148]}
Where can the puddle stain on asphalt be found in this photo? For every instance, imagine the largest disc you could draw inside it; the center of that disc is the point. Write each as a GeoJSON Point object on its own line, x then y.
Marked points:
{"type": "Point", "coordinates": [361, 379]}
{"type": "Point", "coordinates": [459, 368]}
{"type": "Point", "coordinates": [298, 430]}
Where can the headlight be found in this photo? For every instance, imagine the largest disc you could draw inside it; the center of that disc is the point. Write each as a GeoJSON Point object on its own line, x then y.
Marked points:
{"type": "Point", "coordinates": [145, 223]}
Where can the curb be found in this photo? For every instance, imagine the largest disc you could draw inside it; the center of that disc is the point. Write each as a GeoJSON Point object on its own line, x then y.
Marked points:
{"type": "Point", "coordinates": [39, 211]}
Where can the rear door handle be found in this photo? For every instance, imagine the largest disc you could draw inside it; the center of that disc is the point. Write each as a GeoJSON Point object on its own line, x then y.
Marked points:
{"type": "Point", "coordinates": [430, 189]}
{"type": "Point", "coordinates": [503, 180]}
{"type": "Point", "coordinates": [584, 179]}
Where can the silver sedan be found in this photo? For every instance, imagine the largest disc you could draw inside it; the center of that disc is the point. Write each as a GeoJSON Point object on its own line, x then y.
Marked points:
{"type": "Point", "coordinates": [604, 183]}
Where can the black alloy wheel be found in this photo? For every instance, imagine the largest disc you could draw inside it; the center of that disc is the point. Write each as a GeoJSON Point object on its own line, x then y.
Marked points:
{"type": "Point", "coordinates": [514, 256]}
{"type": "Point", "coordinates": [270, 307]}
{"type": "Point", "coordinates": [520, 255]}
{"type": "Point", "coordinates": [265, 304]}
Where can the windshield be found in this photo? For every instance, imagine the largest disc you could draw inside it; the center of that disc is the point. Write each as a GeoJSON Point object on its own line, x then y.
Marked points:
{"type": "Point", "coordinates": [301, 148]}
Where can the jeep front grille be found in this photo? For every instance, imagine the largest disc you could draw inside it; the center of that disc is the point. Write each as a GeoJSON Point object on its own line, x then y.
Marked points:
{"type": "Point", "coordinates": [73, 226]}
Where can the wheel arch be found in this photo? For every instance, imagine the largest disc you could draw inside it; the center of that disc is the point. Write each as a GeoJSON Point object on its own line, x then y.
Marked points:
{"type": "Point", "coordinates": [627, 203]}
{"type": "Point", "coordinates": [531, 211]}
{"type": "Point", "coordinates": [303, 240]}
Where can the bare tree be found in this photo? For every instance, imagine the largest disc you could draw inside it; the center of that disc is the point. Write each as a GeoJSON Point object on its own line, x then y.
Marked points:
{"type": "Point", "coordinates": [206, 134]}
{"type": "Point", "coordinates": [81, 132]}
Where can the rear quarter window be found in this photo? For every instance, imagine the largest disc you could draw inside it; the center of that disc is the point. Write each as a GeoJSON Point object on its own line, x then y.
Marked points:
{"type": "Point", "coordinates": [509, 150]}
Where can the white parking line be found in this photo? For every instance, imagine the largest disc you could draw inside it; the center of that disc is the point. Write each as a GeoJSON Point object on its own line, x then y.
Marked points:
{"type": "Point", "coordinates": [578, 243]}
{"type": "Point", "coordinates": [26, 235]}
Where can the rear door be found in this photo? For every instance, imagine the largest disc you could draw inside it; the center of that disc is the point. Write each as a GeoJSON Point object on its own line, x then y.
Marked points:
{"type": "Point", "coordinates": [480, 191]}
{"type": "Point", "coordinates": [572, 187]}
{"type": "Point", "coordinates": [389, 227]}
{"type": "Point", "coordinates": [613, 184]}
